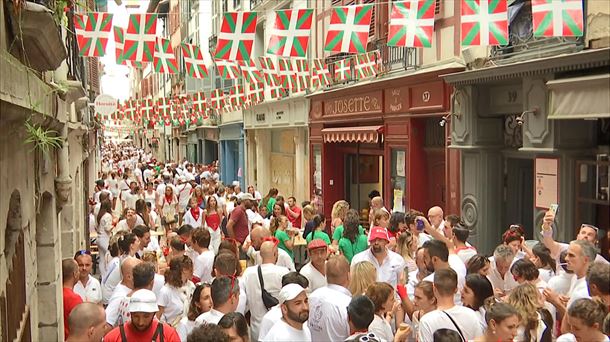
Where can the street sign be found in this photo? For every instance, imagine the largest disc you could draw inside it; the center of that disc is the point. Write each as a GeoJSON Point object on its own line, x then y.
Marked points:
{"type": "Point", "coordinates": [105, 104]}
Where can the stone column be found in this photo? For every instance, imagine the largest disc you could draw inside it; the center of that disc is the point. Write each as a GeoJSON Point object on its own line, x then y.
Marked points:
{"type": "Point", "coordinates": [301, 167]}
{"type": "Point", "coordinates": [263, 160]}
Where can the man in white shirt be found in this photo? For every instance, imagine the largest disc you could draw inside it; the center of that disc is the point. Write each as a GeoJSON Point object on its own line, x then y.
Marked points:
{"type": "Point", "coordinates": [389, 265]}
{"type": "Point", "coordinates": [435, 216]}
{"type": "Point", "coordinates": [360, 313]}
{"type": "Point", "coordinates": [272, 280]}
{"type": "Point", "coordinates": [295, 312]}
{"type": "Point", "coordinates": [257, 237]}
{"type": "Point", "coordinates": [87, 287]}
{"type": "Point", "coordinates": [225, 297]}
{"type": "Point", "coordinates": [437, 257]}
{"type": "Point", "coordinates": [275, 313]}
{"type": "Point", "coordinates": [99, 189]}
{"type": "Point", "coordinates": [139, 176]}
{"type": "Point", "coordinates": [448, 315]}
{"type": "Point", "coordinates": [328, 319]}
{"type": "Point", "coordinates": [121, 290]}
{"type": "Point", "coordinates": [204, 262]}
{"type": "Point", "coordinates": [499, 275]}
{"type": "Point", "coordinates": [315, 269]}
{"type": "Point", "coordinates": [183, 193]}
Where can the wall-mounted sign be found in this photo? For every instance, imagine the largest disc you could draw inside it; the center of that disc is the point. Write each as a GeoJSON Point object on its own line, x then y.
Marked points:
{"type": "Point", "coordinates": [279, 115]}
{"type": "Point", "coordinates": [260, 117]}
{"type": "Point", "coordinates": [369, 103]}
{"type": "Point", "coordinates": [546, 182]}
{"type": "Point", "coordinates": [105, 104]}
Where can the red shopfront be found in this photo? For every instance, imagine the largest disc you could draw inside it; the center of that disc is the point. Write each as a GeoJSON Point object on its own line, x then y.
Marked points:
{"type": "Point", "coordinates": [385, 136]}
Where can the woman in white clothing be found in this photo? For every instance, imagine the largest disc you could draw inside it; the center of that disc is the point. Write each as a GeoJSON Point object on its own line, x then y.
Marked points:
{"type": "Point", "coordinates": [104, 221]}
{"type": "Point", "coordinates": [536, 321]}
{"type": "Point", "coordinates": [423, 302]}
{"type": "Point", "coordinates": [193, 215]}
{"type": "Point", "coordinates": [150, 195]}
{"type": "Point", "coordinates": [176, 293]}
{"type": "Point", "coordinates": [541, 257]}
{"type": "Point", "coordinates": [113, 186]}
{"type": "Point", "coordinates": [382, 295]}
{"type": "Point", "coordinates": [168, 208]}
{"type": "Point", "coordinates": [477, 289]}
{"type": "Point", "coordinates": [200, 303]}
{"type": "Point", "coordinates": [213, 216]}
{"type": "Point", "coordinates": [586, 319]}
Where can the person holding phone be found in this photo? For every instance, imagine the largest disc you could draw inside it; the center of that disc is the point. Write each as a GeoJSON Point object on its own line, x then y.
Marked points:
{"type": "Point", "coordinates": [416, 226]}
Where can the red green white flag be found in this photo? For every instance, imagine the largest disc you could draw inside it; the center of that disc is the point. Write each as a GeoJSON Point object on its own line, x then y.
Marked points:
{"type": "Point", "coordinates": [411, 23]}
{"type": "Point", "coordinates": [164, 58]}
{"type": "Point", "coordinates": [557, 18]}
{"type": "Point", "coordinates": [200, 102]}
{"type": "Point", "coordinates": [349, 29]}
{"type": "Point", "coordinates": [277, 92]}
{"type": "Point", "coordinates": [140, 37]}
{"type": "Point", "coordinates": [484, 22]}
{"type": "Point", "coordinates": [147, 108]}
{"type": "Point", "coordinates": [285, 72]}
{"type": "Point", "coordinates": [236, 96]}
{"type": "Point", "coordinates": [300, 78]}
{"type": "Point", "coordinates": [236, 36]}
{"type": "Point", "coordinates": [217, 99]}
{"type": "Point", "coordinates": [164, 106]}
{"type": "Point", "coordinates": [249, 71]}
{"type": "Point", "coordinates": [119, 44]}
{"type": "Point", "coordinates": [290, 34]}
{"type": "Point", "coordinates": [256, 92]}
{"type": "Point", "coordinates": [343, 70]}
{"type": "Point", "coordinates": [193, 59]}
{"type": "Point", "coordinates": [321, 77]}
{"type": "Point", "coordinates": [227, 69]}
{"type": "Point", "coordinates": [269, 70]}
{"type": "Point", "coordinates": [92, 33]}
{"type": "Point", "coordinates": [367, 64]}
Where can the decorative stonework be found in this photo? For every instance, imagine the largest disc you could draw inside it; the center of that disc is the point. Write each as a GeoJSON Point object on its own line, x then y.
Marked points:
{"type": "Point", "coordinates": [470, 211]}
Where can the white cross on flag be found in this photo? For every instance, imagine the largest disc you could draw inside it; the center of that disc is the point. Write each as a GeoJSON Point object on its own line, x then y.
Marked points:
{"type": "Point", "coordinates": [484, 22]}
{"type": "Point", "coordinates": [300, 78]}
{"type": "Point", "coordinates": [557, 18]}
{"type": "Point", "coordinates": [193, 58]}
{"type": "Point", "coordinates": [92, 33]}
{"type": "Point", "coordinates": [411, 23]}
{"type": "Point", "coordinates": [217, 99]}
{"type": "Point", "coordinates": [164, 59]}
{"type": "Point", "coordinates": [343, 70]}
{"type": "Point", "coordinates": [236, 36]}
{"type": "Point", "coordinates": [349, 29]}
{"type": "Point", "coordinates": [290, 34]}
{"type": "Point", "coordinates": [256, 92]}
{"type": "Point", "coordinates": [140, 37]}
{"type": "Point", "coordinates": [320, 75]}
{"type": "Point", "coordinates": [200, 102]}
{"type": "Point", "coordinates": [147, 108]}
{"type": "Point", "coordinates": [249, 71]}
{"type": "Point", "coordinates": [269, 69]}
{"type": "Point", "coordinates": [227, 69]}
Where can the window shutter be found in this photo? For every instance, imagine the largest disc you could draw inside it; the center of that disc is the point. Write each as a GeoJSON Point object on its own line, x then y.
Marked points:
{"type": "Point", "coordinates": [437, 7]}
{"type": "Point", "coordinates": [372, 28]}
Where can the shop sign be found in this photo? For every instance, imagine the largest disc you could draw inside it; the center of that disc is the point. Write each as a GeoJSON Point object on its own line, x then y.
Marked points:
{"type": "Point", "coordinates": [105, 104]}
{"type": "Point", "coordinates": [260, 117]}
{"type": "Point", "coordinates": [357, 104]}
{"type": "Point", "coordinates": [397, 100]}
{"type": "Point", "coordinates": [426, 97]}
{"type": "Point", "coordinates": [279, 116]}
{"type": "Point", "coordinates": [546, 189]}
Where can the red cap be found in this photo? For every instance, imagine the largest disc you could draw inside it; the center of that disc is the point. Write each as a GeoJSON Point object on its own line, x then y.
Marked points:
{"type": "Point", "coordinates": [379, 233]}
{"type": "Point", "coordinates": [316, 243]}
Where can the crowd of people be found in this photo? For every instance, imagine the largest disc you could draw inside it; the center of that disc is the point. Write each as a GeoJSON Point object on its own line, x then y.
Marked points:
{"type": "Point", "coordinates": [183, 257]}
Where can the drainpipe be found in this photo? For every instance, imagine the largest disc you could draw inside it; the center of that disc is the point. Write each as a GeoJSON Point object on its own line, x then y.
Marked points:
{"type": "Point", "coordinates": [63, 182]}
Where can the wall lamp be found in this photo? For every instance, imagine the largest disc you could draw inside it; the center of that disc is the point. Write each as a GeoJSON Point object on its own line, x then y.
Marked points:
{"type": "Point", "coordinates": [454, 100]}
{"type": "Point", "coordinates": [521, 118]}
{"type": "Point", "coordinates": [446, 118]}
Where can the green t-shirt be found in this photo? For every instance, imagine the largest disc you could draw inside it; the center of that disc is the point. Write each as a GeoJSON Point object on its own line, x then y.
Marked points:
{"type": "Point", "coordinates": [338, 233]}
{"type": "Point", "coordinates": [282, 236]}
{"type": "Point", "coordinates": [350, 249]}
{"type": "Point", "coordinates": [318, 235]}
{"type": "Point", "coordinates": [270, 205]}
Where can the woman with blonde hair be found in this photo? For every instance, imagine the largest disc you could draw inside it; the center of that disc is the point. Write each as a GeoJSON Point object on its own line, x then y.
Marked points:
{"type": "Point", "coordinates": [536, 322]}
{"type": "Point", "coordinates": [177, 292]}
{"type": "Point", "coordinates": [406, 246]}
{"type": "Point", "coordinates": [424, 301]}
{"type": "Point", "coordinates": [337, 214]}
{"type": "Point", "coordinates": [381, 218]}
{"type": "Point", "coordinates": [362, 275]}
{"type": "Point", "coordinates": [308, 214]}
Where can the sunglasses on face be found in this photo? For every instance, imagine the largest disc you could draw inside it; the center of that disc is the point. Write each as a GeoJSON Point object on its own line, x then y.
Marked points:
{"type": "Point", "coordinates": [82, 252]}
{"type": "Point", "coordinates": [584, 225]}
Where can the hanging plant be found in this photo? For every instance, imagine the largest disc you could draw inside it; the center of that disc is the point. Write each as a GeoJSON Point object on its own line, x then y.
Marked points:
{"type": "Point", "coordinates": [42, 139]}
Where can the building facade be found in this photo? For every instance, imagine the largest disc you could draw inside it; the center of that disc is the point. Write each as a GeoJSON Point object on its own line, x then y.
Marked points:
{"type": "Point", "coordinates": [44, 93]}
{"type": "Point", "coordinates": [387, 133]}
{"type": "Point", "coordinates": [531, 122]}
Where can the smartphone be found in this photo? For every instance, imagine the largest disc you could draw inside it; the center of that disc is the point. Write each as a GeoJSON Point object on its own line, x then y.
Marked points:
{"type": "Point", "coordinates": [419, 224]}
{"type": "Point", "coordinates": [554, 208]}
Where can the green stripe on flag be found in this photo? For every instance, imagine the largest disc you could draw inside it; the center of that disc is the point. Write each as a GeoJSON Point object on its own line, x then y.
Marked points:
{"type": "Point", "coordinates": [341, 14]}
{"type": "Point", "coordinates": [304, 18]}
{"type": "Point", "coordinates": [337, 40]}
{"type": "Point", "coordinates": [362, 13]}
{"type": "Point", "coordinates": [357, 44]}
{"type": "Point", "coordinates": [473, 5]}
{"type": "Point", "coordinates": [247, 21]}
{"type": "Point", "coordinates": [397, 36]}
{"type": "Point", "coordinates": [493, 29]}
{"type": "Point", "coordinates": [244, 51]}
{"type": "Point", "coordinates": [128, 53]}
{"type": "Point", "coordinates": [492, 5]}
{"type": "Point", "coordinates": [544, 24]}
{"type": "Point", "coordinates": [224, 49]}
{"type": "Point", "coordinates": [296, 44]}
{"type": "Point", "coordinates": [424, 8]}
{"type": "Point", "coordinates": [150, 23]}
{"type": "Point", "coordinates": [135, 22]}
{"type": "Point", "coordinates": [99, 48]}
{"type": "Point", "coordinates": [275, 48]}
{"type": "Point", "coordinates": [474, 31]}
{"type": "Point", "coordinates": [283, 18]}
{"type": "Point", "coordinates": [107, 20]}
{"type": "Point", "coordinates": [229, 20]}
{"type": "Point", "coordinates": [569, 22]}
{"type": "Point", "coordinates": [425, 41]}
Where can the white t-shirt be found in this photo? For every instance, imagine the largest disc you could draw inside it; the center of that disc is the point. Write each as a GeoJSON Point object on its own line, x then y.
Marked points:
{"type": "Point", "coordinates": [158, 283]}
{"type": "Point", "coordinates": [421, 238]}
{"type": "Point", "coordinates": [112, 310]}
{"type": "Point", "coordinates": [572, 338]}
{"type": "Point", "coordinates": [190, 220]}
{"type": "Point", "coordinates": [272, 277]}
{"type": "Point", "coordinates": [282, 331]}
{"type": "Point", "coordinates": [389, 270]}
{"type": "Point", "coordinates": [204, 263]}
{"type": "Point", "coordinates": [506, 283]}
{"type": "Point", "coordinates": [91, 292]}
{"type": "Point", "coordinates": [185, 327]}
{"type": "Point", "coordinates": [113, 278]}
{"type": "Point", "coordinates": [130, 199]}
{"type": "Point", "coordinates": [273, 315]}
{"type": "Point", "coordinates": [328, 313]}
{"type": "Point", "coordinates": [283, 259]}
{"type": "Point", "coordinates": [316, 279]}
{"type": "Point", "coordinates": [561, 283]}
{"type": "Point", "coordinates": [463, 317]}
{"type": "Point", "coordinates": [184, 195]}
{"type": "Point", "coordinates": [578, 289]}
{"type": "Point", "coordinates": [381, 328]}
{"type": "Point", "coordinates": [213, 316]}
{"type": "Point", "coordinates": [173, 301]}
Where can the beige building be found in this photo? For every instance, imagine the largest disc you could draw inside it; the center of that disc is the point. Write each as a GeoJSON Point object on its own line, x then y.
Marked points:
{"type": "Point", "coordinates": [43, 202]}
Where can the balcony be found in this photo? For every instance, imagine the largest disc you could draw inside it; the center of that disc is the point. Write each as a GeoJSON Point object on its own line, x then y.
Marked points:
{"type": "Point", "coordinates": [255, 3]}
{"type": "Point", "coordinates": [77, 77]}
{"type": "Point", "coordinates": [522, 43]}
{"type": "Point", "coordinates": [36, 35]}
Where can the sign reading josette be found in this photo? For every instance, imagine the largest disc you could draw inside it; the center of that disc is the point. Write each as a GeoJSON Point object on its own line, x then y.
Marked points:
{"type": "Point", "coordinates": [105, 104]}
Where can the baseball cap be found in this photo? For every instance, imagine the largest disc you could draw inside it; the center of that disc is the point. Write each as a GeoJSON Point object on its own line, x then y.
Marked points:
{"type": "Point", "coordinates": [316, 243]}
{"type": "Point", "coordinates": [379, 233]}
{"type": "Point", "coordinates": [143, 301]}
{"type": "Point", "coordinates": [246, 196]}
{"type": "Point", "coordinates": [289, 292]}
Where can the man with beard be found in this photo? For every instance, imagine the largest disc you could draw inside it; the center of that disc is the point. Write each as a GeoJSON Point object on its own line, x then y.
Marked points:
{"type": "Point", "coordinates": [295, 312]}
{"type": "Point", "coordinates": [437, 257]}
{"type": "Point", "coordinates": [389, 265]}
{"type": "Point", "coordinates": [237, 226]}
{"type": "Point", "coordinates": [143, 325]}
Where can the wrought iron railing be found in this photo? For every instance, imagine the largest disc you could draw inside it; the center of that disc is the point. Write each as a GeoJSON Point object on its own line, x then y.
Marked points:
{"type": "Point", "coordinates": [76, 63]}
{"type": "Point", "coordinates": [254, 3]}
{"type": "Point", "coordinates": [212, 42]}
{"type": "Point", "coordinates": [523, 45]}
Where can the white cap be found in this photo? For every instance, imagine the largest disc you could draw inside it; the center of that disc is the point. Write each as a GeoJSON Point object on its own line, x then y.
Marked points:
{"type": "Point", "coordinates": [246, 196]}
{"type": "Point", "coordinates": [290, 292]}
{"type": "Point", "coordinates": [143, 301]}
{"type": "Point", "coordinates": [235, 183]}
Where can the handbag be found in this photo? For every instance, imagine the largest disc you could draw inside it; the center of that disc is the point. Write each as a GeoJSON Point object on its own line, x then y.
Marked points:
{"type": "Point", "coordinates": [268, 299]}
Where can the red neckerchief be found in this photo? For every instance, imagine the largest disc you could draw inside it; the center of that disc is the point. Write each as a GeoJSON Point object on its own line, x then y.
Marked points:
{"type": "Point", "coordinates": [195, 212]}
{"type": "Point", "coordinates": [168, 199]}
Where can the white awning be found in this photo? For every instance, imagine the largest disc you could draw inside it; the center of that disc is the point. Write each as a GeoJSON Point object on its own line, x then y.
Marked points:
{"type": "Point", "coordinates": [586, 97]}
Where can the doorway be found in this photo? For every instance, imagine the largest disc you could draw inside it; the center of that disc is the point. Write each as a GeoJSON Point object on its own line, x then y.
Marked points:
{"type": "Point", "coordinates": [363, 174]}
{"type": "Point", "coordinates": [519, 190]}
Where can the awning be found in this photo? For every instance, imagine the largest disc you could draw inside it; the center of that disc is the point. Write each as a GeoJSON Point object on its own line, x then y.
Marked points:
{"type": "Point", "coordinates": [583, 97]}
{"type": "Point", "coordinates": [363, 134]}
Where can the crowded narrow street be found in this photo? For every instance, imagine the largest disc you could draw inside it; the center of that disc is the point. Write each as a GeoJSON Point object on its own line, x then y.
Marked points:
{"type": "Point", "coordinates": [305, 170]}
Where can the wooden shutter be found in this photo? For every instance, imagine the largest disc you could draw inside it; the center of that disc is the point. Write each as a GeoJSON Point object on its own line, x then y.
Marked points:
{"type": "Point", "coordinates": [437, 7]}
{"type": "Point", "coordinates": [372, 28]}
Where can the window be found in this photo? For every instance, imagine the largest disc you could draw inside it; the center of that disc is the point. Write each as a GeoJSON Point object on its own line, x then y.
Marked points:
{"type": "Point", "coordinates": [236, 4]}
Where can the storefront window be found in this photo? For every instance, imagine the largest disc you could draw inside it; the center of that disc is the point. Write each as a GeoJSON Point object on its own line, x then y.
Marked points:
{"type": "Point", "coordinates": [398, 179]}
{"type": "Point", "coordinates": [317, 177]}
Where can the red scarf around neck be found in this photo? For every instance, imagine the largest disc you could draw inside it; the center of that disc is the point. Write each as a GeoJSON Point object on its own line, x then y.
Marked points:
{"type": "Point", "coordinates": [195, 212]}
{"type": "Point", "coordinates": [169, 199]}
